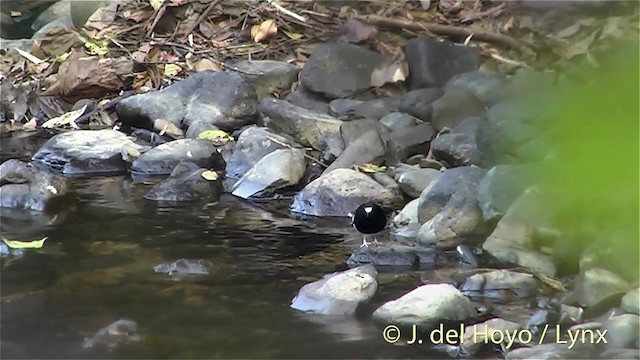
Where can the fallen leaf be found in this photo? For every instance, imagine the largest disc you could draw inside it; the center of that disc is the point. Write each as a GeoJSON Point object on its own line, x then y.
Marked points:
{"type": "Point", "coordinates": [65, 119]}
{"type": "Point", "coordinates": [372, 168]}
{"type": "Point", "coordinates": [15, 244]}
{"type": "Point", "coordinates": [209, 175]}
{"type": "Point", "coordinates": [509, 24]}
{"type": "Point", "coordinates": [292, 35]}
{"type": "Point", "coordinates": [355, 31]}
{"type": "Point", "coordinates": [264, 31]}
{"type": "Point", "coordinates": [167, 127]}
{"type": "Point", "coordinates": [30, 125]}
{"type": "Point", "coordinates": [172, 69]}
{"type": "Point", "coordinates": [103, 17]}
{"type": "Point", "coordinates": [206, 64]}
{"type": "Point", "coordinates": [156, 4]}
{"type": "Point", "coordinates": [216, 136]}
{"type": "Point", "coordinates": [392, 73]}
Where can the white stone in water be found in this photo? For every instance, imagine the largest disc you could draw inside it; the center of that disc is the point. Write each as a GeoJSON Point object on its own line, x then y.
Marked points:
{"type": "Point", "coordinates": [185, 267]}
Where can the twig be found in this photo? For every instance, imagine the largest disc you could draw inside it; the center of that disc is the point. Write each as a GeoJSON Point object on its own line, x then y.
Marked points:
{"type": "Point", "coordinates": [192, 50]}
{"type": "Point", "coordinates": [508, 61]}
{"type": "Point", "coordinates": [105, 107]}
{"type": "Point", "coordinates": [304, 153]}
{"type": "Point", "coordinates": [285, 11]}
{"type": "Point", "coordinates": [493, 12]}
{"type": "Point", "coordinates": [450, 31]}
{"type": "Point", "coordinates": [159, 15]}
{"type": "Point", "coordinates": [202, 16]}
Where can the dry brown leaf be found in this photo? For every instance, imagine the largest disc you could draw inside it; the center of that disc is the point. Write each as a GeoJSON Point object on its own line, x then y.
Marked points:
{"type": "Point", "coordinates": [156, 4]}
{"type": "Point", "coordinates": [206, 64]}
{"type": "Point", "coordinates": [389, 73]}
{"type": "Point", "coordinates": [509, 24]}
{"type": "Point", "coordinates": [207, 29]}
{"type": "Point", "coordinates": [65, 119]}
{"type": "Point", "coordinates": [355, 31]}
{"type": "Point", "coordinates": [30, 125]}
{"type": "Point", "coordinates": [102, 17]}
{"type": "Point", "coordinates": [136, 15]}
{"type": "Point", "coordinates": [56, 42]}
{"type": "Point", "coordinates": [292, 35]}
{"type": "Point", "coordinates": [264, 31]}
{"type": "Point", "coordinates": [172, 70]}
{"type": "Point", "coordinates": [164, 126]}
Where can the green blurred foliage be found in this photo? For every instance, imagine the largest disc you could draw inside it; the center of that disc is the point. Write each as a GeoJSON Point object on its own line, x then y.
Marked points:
{"type": "Point", "coordinates": [592, 182]}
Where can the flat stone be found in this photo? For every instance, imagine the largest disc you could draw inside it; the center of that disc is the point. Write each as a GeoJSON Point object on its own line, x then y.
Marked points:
{"type": "Point", "coordinates": [162, 159]}
{"type": "Point", "coordinates": [489, 87]}
{"type": "Point", "coordinates": [398, 120]}
{"type": "Point", "coordinates": [413, 182]}
{"type": "Point", "coordinates": [455, 106]}
{"type": "Point", "coordinates": [305, 99]}
{"type": "Point", "coordinates": [458, 147]}
{"type": "Point", "coordinates": [268, 76]}
{"type": "Point", "coordinates": [500, 284]}
{"type": "Point", "coordinates": [185, 184]}
{"type": "Point", "coordinates": [393, 255]}
{"type": "Point", "coordinates": [368, 148]}
{"type": "Point", "coordinates": [419, 103]}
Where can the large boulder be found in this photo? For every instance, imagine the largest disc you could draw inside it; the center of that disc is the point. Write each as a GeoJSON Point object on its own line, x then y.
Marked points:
{"type": "Point", "coordinates": [162, 159]}
{"type": "Point", "coordinates": [23, 186]}
{"type": "Point", "coordinates": [186, 183]}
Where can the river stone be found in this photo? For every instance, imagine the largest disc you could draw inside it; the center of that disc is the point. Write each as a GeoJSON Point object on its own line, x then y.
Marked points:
{"type": "Point", "coordinates": [162, 159]}
{"type": "Point", "coordinates": [405, 224]}
{"type": "Point", "coordinates": [489, 87]}
{"type": "Point", "coordinates": [511, 240]}
{"type": "Point", "coordinates": [409, 141]}
{"type": "Point", "coordinates": [309, 128]}
{"type": "Point", "coordinates": [374, 109]}
{"type": "Point", "coordinates": [223, 99]}
{"type": "Point", "coordinates": [186, 184]}
{"type": "Point", "coordinates": [338, 293]}
{"type": "Point", "coordinates": [351, 131]}
{"type": "Point", "coordinates": [455, 106]}
{"type": "Point", "coordinates": [339, 70]}
{"type": "Point", "coordinates": [393, 255]}
{"type": "Point", "coordinates": [197, 127]}
{"type": "Point", "coordinates": [340, 107]}
{"type": "Point", "coordinates": [419, 103]}
{"type": "Point", "coordinates": [85, 152]}
{"type": "Point", "coordinates": [268, 76]}
{"type": "Point", "coordinates": [368, 148]}
{"type": "Point", "coordinates": [398, 120]}
{"type": "Point", "coordinates": [340, 192]}
{"type": "Point", "coordinates": [475, 339]}
{"type": "Point", "coordinates": [308, 100]}
{"type": "Point", "coordinates": [23, 186]}
{"type": "Point", "coordinates": [623, 331]}
{"type": "Point", "coordinates": [60, 10]}
{"type": "Point", "coordinates": [252, 145]}
{"type": "Point", "coordinates": [413, 182]}
{"type": "Point", "coordinates": [500, 187]}
{"type": "Point", "coordinates": [432, 62]}
{"type": "Point", "coordinates": [279, 169]}
{"type": "Point", "coordinates": [461, 218]}
{"type": "Point", "coordinates": [597, 284]}
{"type": "Point", "coordinates": [629, 353]}
{"type": "Point", "coordinates": [458, 147]}
{"type": "Point", "coordinates": [500, 284]}
{"type": "Point", "coordinates": [427, 306]}
{"type": "Point", "coordinates": [551, 351]}
{"type": "Point", "coordinates": [631, 301]}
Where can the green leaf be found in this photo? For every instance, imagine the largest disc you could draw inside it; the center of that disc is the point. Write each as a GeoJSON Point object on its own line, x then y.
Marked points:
{"type": "Point", "coordinates": [216, 136]}
{"type": "Point", "coordinates": [16, 244]}
{"type": "Point", "coordinates": [372, 168]}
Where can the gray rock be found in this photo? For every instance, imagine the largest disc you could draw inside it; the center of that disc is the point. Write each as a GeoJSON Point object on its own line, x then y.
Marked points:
{"type": "Point", "coordinates": [413, 182]}
{"type": "Point", "coordinates": [340, 192]}
{"type": "Point", "coordinates": [339, 70]}
{"type": "Point", "coordinates": [308, 100]}
{"type": "Point", "coordinates": [427, 307]}
{"type": "Point", "coordinates": [480, 336]}
{"type": "Point", "coordinates": [184, 184]}
{"type": "Point", "coordinates": [368, 148]}
{"type": "Point", "coordinates": [394, 255]}
{"type": "Point", "coordinates": [279, 169]}
{"type": "Point", "coordinates": [185, 267]}
{"type": "Point", "coordinates": [419, 103]}
{"type": "Point", "coordinates": [309, 128]}
{"type": "Point", "coordinates": [510, 132]}
{"type": "Point", "coordinates": [551, 351]}
{"type": "Point", "coordinates": [252, 145]}
{"type": "Point", "coordinates": [85, 152]}
{"type": "Point", "coordinates": [223, 99]}
{"type": "Point", "coordinates": [631, 301]}
{"type": "Point", "coordinates": [387, 181]}
{"type": "Point", "coordinates": [374, 109]}
{"type": "Point", "coordinates": [489, 87]}
{"type": "Point", "coordinates": [570, 315]}
{"type": "Point", "coordinates": [398, 120]}
{"type": "Point", "coordinates": [458, 147]}
{"type": "Point", "coordinates": [455, 106]}
{"type": "Point", "coordinates": [406, 142]}
{"type": "Point", "coordinates": [623, 331]}
{"type": "Point", "coordinates": [338, 293]}
{"type": "Point", "coordinates": [81, 10]}
{"type": "Point", "coordinates": [405, 225]}
{"type": "Point", "coordinates": [500, 284]}
{"type": "Point", "coordinates": [119, 333]}
{"type": "Point", "coordinates": [500, 187]}
{"type": "Point", "coordinates": [538, 320]}
{"type": "Point", "coordinates": [351, 131]}
{"type": "Point", "coordinates": [511, 240]}
{"type": "Point", "coordinates": [432, 63]}
{"type": "Point", "coordinates": [340, 107]}
{"type": "Point", "coordinates": [197, 127]}
{"type": "Point", "coordinates": [631, 353]}
{"type": "Point", "coordinates": [435, 197]}
{"type": "Point", "coordinates": [162, 159]}
{"type": "Point", "coordinates": [60, 10]}
{"type": "Point", "coordinates": [268, 76]}
{"type": "Point", "coordinates": [23, 186]}
{"type": "Point", "coordinates": [597, 284]}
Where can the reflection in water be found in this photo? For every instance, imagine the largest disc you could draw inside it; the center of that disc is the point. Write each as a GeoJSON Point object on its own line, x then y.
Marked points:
{"type": "Point", "coordinates": [97, 267]}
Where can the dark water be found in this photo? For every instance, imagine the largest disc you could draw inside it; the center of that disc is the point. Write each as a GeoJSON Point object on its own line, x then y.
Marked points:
{"type": "Point", "coordinates": [97, 267]}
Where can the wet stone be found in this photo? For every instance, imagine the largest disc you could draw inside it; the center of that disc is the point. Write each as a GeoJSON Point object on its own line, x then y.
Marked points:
{"type": "Point", "coordinates": [162, 159]}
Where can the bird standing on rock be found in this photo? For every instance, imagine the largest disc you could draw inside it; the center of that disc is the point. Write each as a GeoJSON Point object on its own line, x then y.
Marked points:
{"type": "Point", "coordinates": [369, 219]}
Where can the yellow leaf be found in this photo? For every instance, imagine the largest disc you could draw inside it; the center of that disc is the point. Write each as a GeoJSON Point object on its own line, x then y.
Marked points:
{"type": "Point", "coordinates": [372, 168]}
{"type": "Point", "coordinates": [209, 175]}
{"type": "Point", "coordinates": [15, 244]}
{"type": "Point", "coordinates": [292, 35]}
{"type": "Point", "coordinates": [264, 31]}
{"type": "Point", "coordinates": [206, 64]}
{"type": "Point", "coordinates": [156, 4]}
{"type": "Point", "coordinates": [215, 136]}
{"type": "Point", "coordinates": [172, 69]}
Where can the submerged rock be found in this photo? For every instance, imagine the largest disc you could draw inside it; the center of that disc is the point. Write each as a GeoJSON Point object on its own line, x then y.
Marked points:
{"type": "Point", "coordinates": [279, 169]}
{"type": "Point", "coordinates": [119, 333]}
{"type": "Point", "coordinates": [162, 159]}
{"type": "Point", "coordinates": [23, 186]}
{"type": "Point", "coordinates": [86, 152]}
{"type": "Point", "coordinates": [393, 254]}
{"type": "Point", "coordinates": [340, 192]}
{"type": "Point", "coordinates": [186, 184]}
{"type": "Point", "coordinates": [185, 267]}
{"type": "Point", "coordinates": [338, 293]}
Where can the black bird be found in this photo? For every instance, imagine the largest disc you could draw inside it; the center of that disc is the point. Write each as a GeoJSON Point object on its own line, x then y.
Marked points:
{"type": "Point", "coordinates": [368, 219]}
